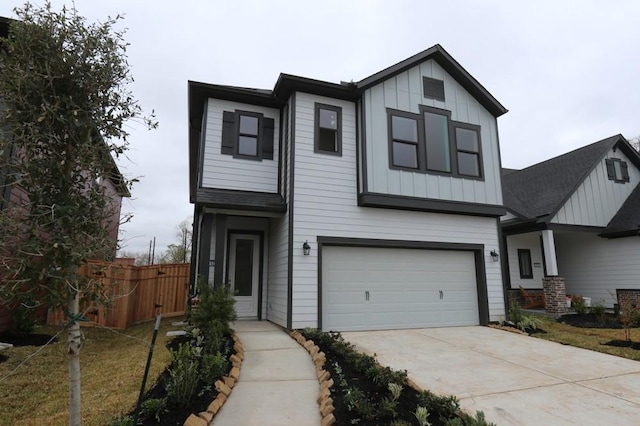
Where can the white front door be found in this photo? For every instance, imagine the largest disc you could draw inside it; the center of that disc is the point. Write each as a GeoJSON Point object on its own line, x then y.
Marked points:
{"type": "Point", "coordinates": [244, 272]}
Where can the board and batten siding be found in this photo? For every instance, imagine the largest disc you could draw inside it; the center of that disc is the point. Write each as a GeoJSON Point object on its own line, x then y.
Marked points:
{"type": "Point", "coordinates": [279, 242]}
{"type": "Point", "coordinates": [325, 204]}
{"type": "Point", "coordinates": [530, 241]}
{"type": "Point", "coordinates": [225, 172]}
{"type": "Point", "coordinates": [593, 266]}
{"type": "Point", "coordinates": [598, 199]}
{"type": "Point", "coordinates": [404, 92]}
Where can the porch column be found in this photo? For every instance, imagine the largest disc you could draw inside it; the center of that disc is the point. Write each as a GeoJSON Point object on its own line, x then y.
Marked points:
{"type": "Point", "coordinates": [204, 249]}
{"type": "Point", "coordinates": [549, 247]}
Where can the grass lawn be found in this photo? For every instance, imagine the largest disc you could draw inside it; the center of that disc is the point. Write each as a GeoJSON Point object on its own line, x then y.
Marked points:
{"type": "Point", "coordinates": [589, 338]}
{"type": "Point", "coordinates": [112, 366]}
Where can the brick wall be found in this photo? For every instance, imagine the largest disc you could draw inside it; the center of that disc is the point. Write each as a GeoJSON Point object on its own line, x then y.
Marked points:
{"type": "Point", "coordinates": [626, 296]}
{"type": "Point", "coordinates": [555, 295]}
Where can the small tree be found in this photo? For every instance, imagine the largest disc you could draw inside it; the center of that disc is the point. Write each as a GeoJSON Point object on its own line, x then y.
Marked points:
{"type": "Point", "coordinates": [180, 251]}
{"type": "Point", "coordinates": [65, 96]}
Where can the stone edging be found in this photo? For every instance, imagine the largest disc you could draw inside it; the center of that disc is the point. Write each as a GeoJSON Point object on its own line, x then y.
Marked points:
{"type": "Point", "coordinates": [223, 386]}
{"type": "Point", "coordinates": [324, 378]}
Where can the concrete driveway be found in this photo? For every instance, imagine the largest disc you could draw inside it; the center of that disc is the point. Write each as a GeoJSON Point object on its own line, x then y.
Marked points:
{"type": "Point", "coordinates": [514, 379]}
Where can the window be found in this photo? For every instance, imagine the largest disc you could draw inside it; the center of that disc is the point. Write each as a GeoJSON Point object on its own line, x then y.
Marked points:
{"type": "Point", "coordinates": [430, 142]}
{"type": "Point", "coordinates": [467, 149]}
{"type": "Point", "coordinates": [328, 132]}
{"type": "Point", "coordinates": [433, 89]}
{"type": "Point", "coordinates": [617, 170]}
{"type": "Point", "coordinates": [436, 130]}
{"type": "Point", "coordinates": [247, 135]}
{"type": "Point", "coordinates": [404, 142]}
{"type": "Point", "coordinates": [524, 262]}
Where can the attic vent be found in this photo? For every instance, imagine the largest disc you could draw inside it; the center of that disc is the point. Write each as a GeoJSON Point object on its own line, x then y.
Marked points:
{"type": "Point", "coordinates": [433, 88]}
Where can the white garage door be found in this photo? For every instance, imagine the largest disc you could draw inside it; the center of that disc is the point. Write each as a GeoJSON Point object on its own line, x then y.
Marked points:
{"type": "Point", "coordinates": [389, 288]}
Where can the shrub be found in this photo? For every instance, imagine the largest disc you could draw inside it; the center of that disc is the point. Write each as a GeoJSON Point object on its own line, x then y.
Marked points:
{"type": "Point", "coordinates": [154, 408]}
{"type": "Point", "coordinates": [599, 310]}
{"type": "Point", "coordinates": [578, 305]}
{"type": "Point", "coordinates": [122, 421]}
{"type": "Point", "coordinates": [183, 375]}
{"type": "Point", "coordinates": [529, 322]}
{"type": "Point", "coordinates": [216, 309]}
{"type": "Point", "coordinates": [477, 420]}
{"type": "Point", "coordinates": [447, 406]}
{"type": "Point", "coordinates": [214, 366]}
{"type": "Point", "coordinates": [515, 313]}
{"type": "Point", "coordinates": [629, 317]}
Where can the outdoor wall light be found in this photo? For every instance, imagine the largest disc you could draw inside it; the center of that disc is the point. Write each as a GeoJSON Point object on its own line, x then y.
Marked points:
{"type": "Point", "coordinates": [306, 248]}
{"type": "Point", "coordinates": [494, 255]}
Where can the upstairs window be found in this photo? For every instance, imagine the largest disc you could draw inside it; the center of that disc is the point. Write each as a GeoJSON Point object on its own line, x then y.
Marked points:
{"type": "Point", "coordinates": [617, 170]}
{"type": "Point", "coordinates": [468, 149]}
{"type": "Point", "coordinates": [328, 129]}
{"type": "Point", "coordinates": [430, 142]}
{"type": "Point", "coordinates": [247, 135]}
{"type": "Point", "coordinates": [404, 142]}
{"type": "Point", "coordinates": [524, 262]}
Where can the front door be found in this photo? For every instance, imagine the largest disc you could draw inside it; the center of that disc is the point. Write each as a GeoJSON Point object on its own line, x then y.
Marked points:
{"type": "Point", "coordinates": [244, 272]}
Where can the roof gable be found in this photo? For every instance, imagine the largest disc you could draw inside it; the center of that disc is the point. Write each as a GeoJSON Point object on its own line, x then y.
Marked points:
{"type": "Point", "coordinates": [450, 65]}
{"type": "Point", "coordinates": [539, 191]}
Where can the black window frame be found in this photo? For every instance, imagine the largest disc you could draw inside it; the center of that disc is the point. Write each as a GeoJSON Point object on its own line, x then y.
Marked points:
{"type": "Point", "coordinates": [316, 132]}
{"type": "Point", "coordinates": [422, 142]}
{"type": "Point", "coordinates": [523, 274]}
{"type": "Point", "coordinates": [432, 88]}
{"type": "Point", "coordinates": [455, 125]}
{"type": "Point", "coordinates": [419, 145]}
{"type": "Point", "coordinates": [611, 170]}
{"type": "Point", "coordinates": [236, 153]}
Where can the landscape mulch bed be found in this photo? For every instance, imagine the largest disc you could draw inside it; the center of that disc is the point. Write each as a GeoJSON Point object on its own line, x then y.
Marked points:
{"type": "Point", "coordinates": [608, 320]}
{"type": "Point", "coordinates": [176, 416]}
{"type": "Point", "coordinates": [339, 366]}
{"type": "Point", "coordinates": [624, 344]}
{"type": "Point", "coordinates": [3, 358]}
{"type": "Point", "coordinates": [27, 339]}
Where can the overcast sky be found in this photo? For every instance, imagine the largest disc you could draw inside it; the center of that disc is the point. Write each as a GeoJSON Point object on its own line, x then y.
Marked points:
{"type": "Point", "coordinates": [568, 71]}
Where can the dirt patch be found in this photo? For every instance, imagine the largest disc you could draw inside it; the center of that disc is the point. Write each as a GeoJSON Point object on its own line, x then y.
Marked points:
{"type": "Point", "coordinates": [28, 339]}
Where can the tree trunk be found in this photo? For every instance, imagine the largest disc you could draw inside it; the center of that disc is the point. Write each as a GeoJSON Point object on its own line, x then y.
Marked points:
{"type": "Point", "coordinates": [73, 357]}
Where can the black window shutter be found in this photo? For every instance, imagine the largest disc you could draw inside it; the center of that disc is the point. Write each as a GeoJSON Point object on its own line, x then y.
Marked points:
{"type": "Point", "coordinates": [228, 132]}
{"type": "Point", "coordinates": [625, 171]}
{"type": "Point", "coordinates": [611, 171]}
{"type": "Point", "coordinates": [267, 138]}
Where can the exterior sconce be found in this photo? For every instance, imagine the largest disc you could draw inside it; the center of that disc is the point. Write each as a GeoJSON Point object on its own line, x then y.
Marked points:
{"type": "Point", "coordinates": [494, 255]}
{"type": "Point", "coordinates": [306, 248]}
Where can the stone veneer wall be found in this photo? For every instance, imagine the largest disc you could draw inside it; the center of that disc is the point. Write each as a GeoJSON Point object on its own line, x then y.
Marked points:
{"type": "Point", "coordinates": [555, 295]}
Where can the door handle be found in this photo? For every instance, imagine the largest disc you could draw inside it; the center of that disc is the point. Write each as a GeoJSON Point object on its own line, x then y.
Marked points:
{"type": "Point", "coordinates": [366, 295]}
{"type": "Point", "coordinates": [441, 295]}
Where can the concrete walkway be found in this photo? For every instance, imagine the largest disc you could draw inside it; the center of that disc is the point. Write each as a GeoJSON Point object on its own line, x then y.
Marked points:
{"type": "Point", "coordinates": [278, 385]}
{"type": "Point", "coordinates": [514, 379]}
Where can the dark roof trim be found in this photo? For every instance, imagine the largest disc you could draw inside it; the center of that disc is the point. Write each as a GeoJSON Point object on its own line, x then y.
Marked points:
{"type": "Point", "coordinates": [389, 201]}
{"type": "Point", "coordinates": [227, 199]}
{"type": "Point", "coordinates": [450, 65]}
{"type": "Point", "coordinates": [619, 142]}
{"type": "Point", "coordinates": [288, 84]}
{"type": "Point", "coordinates": [620, 234]}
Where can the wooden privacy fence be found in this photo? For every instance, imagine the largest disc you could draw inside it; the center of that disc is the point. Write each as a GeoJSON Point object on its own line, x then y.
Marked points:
{"type": "Point", "coordinates": [137, 293]}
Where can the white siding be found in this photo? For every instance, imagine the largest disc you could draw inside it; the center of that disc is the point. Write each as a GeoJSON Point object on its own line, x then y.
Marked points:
{"type": "Point", "coordinates": [594, 266]}
{"type": "Point", "coordinates": [598, 199]}
{"type": "Point", "coordinates": [404, 92]}
{"type": "Point", "coordinates": [325, 205]}
{"type": "Point", "coordinates": [279, 248]}
{"type": "Point", "coordinates": [529, 241]}
{"type": "Point", "coordinates": [225, 172]}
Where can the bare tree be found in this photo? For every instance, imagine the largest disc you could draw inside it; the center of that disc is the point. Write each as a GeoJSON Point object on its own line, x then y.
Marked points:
{"type": "Point", "coordinates": [64, 88]}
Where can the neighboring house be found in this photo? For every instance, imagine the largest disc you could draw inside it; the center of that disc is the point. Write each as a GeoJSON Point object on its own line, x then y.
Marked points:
{"type": "Point", "coordinates": [352, 206]}
{"type": "Point", "coordinates": [576, 216]}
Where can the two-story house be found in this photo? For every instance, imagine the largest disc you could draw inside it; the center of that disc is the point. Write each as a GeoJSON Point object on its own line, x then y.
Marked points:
{"type": "Point", "coordinates": [352, 206]}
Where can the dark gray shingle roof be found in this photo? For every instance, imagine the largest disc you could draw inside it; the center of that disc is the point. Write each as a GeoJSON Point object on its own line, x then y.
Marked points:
{"type": "Point", "coordinates": [541, 189]}
{"type": "Point", "coordinates": [627, 220]}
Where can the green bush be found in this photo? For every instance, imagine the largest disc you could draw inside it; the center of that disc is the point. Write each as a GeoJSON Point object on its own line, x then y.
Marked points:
{"type": "Point", "coordinates": [447, 406]}
{"type": "Point", "coordinates": [183, 375]}
{"type": "Point", "coordinates": [154, 408]}
{"type": "Point", "coordinates": [214, 366]}
{"type": "Point", "coordinates": [579, 305]}
{"type": "Point", "coordinates": [515, 313]}
{"type": "Point", "coordinates": [529, 322]}
{"type": "Point", "coordinates": [216, 309]}
{"type": "Point", "coordinates": [477, 420]}
{"type": "Point", "coordinates": [599, 310]}
{"type": "Point", "coordinates": [122, 421]}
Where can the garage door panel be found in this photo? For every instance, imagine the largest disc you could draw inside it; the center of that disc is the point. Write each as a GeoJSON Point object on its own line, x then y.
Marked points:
{"type": "Point", "coordinates": [404, 287]}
